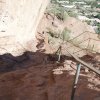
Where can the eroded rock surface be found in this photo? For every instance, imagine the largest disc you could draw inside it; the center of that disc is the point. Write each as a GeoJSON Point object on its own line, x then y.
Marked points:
{"type": "Point", "coordinates": [18, 23]}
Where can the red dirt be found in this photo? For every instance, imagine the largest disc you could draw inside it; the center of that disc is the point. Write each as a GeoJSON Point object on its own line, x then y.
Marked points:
{"type": "Point", "coordinates": [33, 79]}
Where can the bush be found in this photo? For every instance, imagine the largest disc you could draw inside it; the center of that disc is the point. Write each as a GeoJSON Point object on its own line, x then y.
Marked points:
{"type": "Point", "coordinates": [57, 11]}
{"type": "Point", "coordinates": [98, 6]}
{"type": "Point", "coordinates": [88, 22]}
{"type": "Point", "coordinates": [94, 4]}
{"type": "Point", "coordinates": [53, 34]}
{"type": "Point", "coordinates": [97, 16]}
{"type": "Point", "coordinates": [72, 14]}
{"type": "Point", "coordinates": [97, 30]}
{"type": "Point", "coordinates": [65, 34]}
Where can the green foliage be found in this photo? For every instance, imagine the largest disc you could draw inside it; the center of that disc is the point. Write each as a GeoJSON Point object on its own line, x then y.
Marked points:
{"type": "Point", "coordinates": [94, 4]}
{"type": "Point", "coordinates": [62, 16]}
{"type": "Point", "coordinates": [98, 16]}
{"type": "Point", "coordinates": [53, 33]}
{"type": "Point", "coordinates": [88, 22]}
{"type": "Point", "coordinates": [57, 11]}
{"type": "Point", "coordinates": [65, 34]}
{"type": "Point", "coordinates": [97, 30]}
{"type": "Point", "coordinates": [54, 9]}
{"type": "Point", "coordinates": [72, 14]}
{"type": "Point", "coordinates": [53, 1]}
{"type": "Point", "coordinates": [98, 6]}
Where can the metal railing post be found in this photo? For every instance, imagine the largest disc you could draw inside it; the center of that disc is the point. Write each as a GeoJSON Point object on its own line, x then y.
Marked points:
{"type": "Point", "coordinates": [75, 81]}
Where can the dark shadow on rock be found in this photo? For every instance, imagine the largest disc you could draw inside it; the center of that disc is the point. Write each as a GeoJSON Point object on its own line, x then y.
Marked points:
{"type": "Point", "coordinates": [9, 63]}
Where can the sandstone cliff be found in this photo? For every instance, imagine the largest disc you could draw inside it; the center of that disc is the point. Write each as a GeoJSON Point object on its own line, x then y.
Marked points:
{"type": "Point", "coordinates": [18, 22]}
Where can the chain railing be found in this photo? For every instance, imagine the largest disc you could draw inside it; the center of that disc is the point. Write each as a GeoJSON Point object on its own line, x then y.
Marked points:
{"type": "Point", "coordinates": [80, 62]}
{"type": "Point", "coordinates": [87, 41]}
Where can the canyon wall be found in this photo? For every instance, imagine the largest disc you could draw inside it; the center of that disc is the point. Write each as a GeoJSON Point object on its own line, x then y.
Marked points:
{"type": "Point", "coordinates": [18, 23]}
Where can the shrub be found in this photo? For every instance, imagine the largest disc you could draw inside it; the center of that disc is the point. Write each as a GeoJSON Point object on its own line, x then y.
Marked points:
{"type": "Point", "coordinates": [97, 16]}
{"type": "Point", "coordinates": [65, 34]}
{"type": "Point", "coordinates": [53, 34]}
{"type": "Point", "coordinates": [57, 10]}
{"type": "Point", "coordinates": [88, 22]}
{"type": "Point", "coordinates": [72, 14]}
{"type": "Point", "coordinates": [97, 30]}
